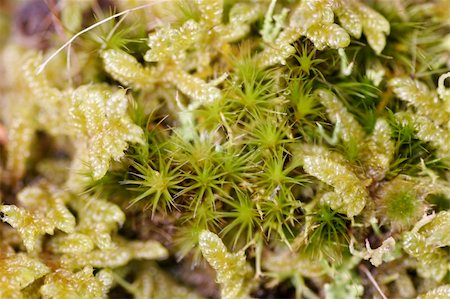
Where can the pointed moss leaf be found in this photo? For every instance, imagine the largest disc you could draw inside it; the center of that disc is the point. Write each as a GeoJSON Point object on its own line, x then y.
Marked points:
{"type": "Point", "coordinates": [238, 98]}
{"type": "Point", "coordinates": [400, 202]}
{"type": "Point", "coordinates": [232, 270]}
{"type": "Point", "coordinates": [99, 116]}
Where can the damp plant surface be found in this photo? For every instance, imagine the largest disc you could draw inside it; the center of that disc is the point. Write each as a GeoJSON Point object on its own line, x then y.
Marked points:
{"type": "Point", "coordinates": [225, 149]}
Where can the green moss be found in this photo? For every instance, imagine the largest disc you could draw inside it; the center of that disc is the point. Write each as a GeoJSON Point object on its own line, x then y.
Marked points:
{"type": "Point", "coordinates": [282, 138]}
{"type": "Point", "coordinates": [401, 203]}
{"type": "Point", "coordinates": [327, 235]}
{"type": "Point", "coordinates": [401, 206]}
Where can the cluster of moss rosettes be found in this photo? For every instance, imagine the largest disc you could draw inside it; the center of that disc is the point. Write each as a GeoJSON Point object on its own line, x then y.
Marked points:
{"type": "Point", "coordinates": [293, 148]}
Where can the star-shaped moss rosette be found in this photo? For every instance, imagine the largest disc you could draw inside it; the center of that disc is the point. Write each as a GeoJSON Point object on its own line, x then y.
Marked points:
{"type": "Point", "coordinates": [17, 272]}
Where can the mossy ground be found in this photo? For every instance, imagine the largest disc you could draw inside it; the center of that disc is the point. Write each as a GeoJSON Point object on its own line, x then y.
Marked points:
{"type": "Point", "coordinates": [283, 149]}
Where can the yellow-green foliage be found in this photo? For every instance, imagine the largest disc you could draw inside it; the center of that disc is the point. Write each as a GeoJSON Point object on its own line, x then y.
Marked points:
{"type": "Point", "coordinates": [40, 107]}
{"type": "Point", "coordinates": [349, 194]}
{"type": "Point", "coordinates": [78, 246]}
{"type": "Point", "coordinates": [126, 69]}
{"type": "Point", "coordinates": [437, 293]}
{"type": "Point", "coordinates": [315, 20]}
{"type": "Point", "coordinates": [433, 262]}
{"type": "Point", "coordinates": [19, 271]}
{"type": "Point", "coordinates": [30, 227]}
{"type": "Point", "coordinates": [151, 282]}
{"type": "Point", "coordinates": [118, 255]}
{"type": "Point", "coordinates": [167, 43]}
{"type": "Point", "coordinates": [99, 117]}
{"type": "Point", "coordinates": [233, 272]}
{"type": "Point", "coordinates": [81, 284]}
{"type": "Point", "coordinates": [284, 142]}
{"type": "Point", "coordinates": [431, 120]}
{"type": "Point", "coordinates": [338, 114]}
{"type": "Point", "coordinates": [401, 202]}
{"type": "Point", "coordinates": [378, 152]}
{"type": "Point", "coordinates": [438, 230]}
{"type": "Point", "coordinates": [45, 211]}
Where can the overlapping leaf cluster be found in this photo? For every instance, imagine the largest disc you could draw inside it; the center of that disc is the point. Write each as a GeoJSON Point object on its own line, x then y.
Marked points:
{"type": "Point", "coordinates": [291, 145]}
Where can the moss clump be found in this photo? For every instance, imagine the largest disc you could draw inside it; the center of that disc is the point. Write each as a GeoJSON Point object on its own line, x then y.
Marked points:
{"type": "Point", "coordinates": [401, 204]}
{"type": "Point", "coordinates": [277, 144]}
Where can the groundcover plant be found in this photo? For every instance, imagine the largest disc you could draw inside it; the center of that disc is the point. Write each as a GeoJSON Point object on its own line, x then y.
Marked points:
{"type": "Point", "coordinates": [225, 149]}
